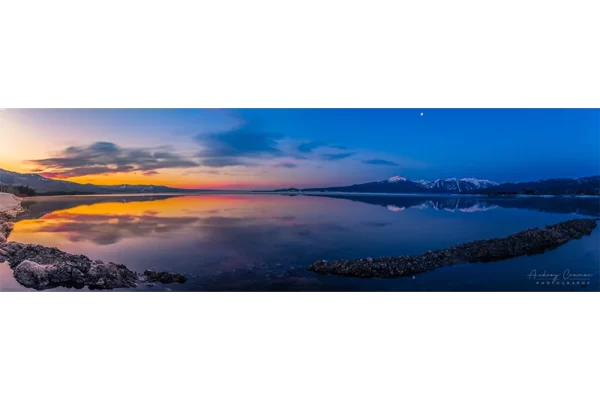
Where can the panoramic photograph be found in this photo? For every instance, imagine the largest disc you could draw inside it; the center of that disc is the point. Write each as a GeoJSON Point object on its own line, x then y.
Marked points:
{"type": "Point", "coordinates": [300, 200]}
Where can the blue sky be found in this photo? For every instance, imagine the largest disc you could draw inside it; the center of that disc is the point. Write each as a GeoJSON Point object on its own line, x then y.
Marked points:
{"type": "Point", "coordinates": [252, 148]}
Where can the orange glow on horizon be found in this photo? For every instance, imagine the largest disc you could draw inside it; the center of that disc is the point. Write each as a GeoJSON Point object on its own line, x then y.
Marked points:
{"type": "Point", "coordinates": [206, 181]}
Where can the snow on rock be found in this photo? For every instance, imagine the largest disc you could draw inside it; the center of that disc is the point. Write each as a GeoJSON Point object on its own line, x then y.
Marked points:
{"type": "Point", "coordinates": [479, 183]}
{"type": "Point", "coordinates": [394, 179]}
{"type": "Point", "coordinates": [425, 183]}
{"type": "Point", "coordinates": [396, 208]}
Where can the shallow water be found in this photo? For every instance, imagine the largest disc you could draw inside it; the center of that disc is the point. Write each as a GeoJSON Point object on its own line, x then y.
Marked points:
{"type": "Point", "coordinates": [262, 242]}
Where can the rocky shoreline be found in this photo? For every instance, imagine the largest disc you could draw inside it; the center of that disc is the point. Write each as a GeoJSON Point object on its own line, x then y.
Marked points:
{"type": "Point", "coordinates": [528, 242]}
{"type": "Point", "coordinates": [41, 267]}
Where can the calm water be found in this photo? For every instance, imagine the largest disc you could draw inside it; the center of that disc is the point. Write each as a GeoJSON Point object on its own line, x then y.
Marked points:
{"type": "Point", "coordinates": [265, 242]}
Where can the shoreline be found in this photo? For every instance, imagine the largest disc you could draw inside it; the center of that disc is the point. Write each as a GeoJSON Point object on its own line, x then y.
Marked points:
{"type": "Point", "coordinates": [308, 193]}
{"type": "Point", "coordinates": [41, 268]}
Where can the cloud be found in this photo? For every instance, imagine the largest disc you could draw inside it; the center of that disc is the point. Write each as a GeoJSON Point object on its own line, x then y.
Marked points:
{"type": "Point", "coordinates": [150, 173]}
{"type": "Point", "coordinates": [286, 165]}
{"type": "Point", "coordinates": [242, 146]}
{"type": "Point", "coordinates": [285, 218]}
{"type": "Point", "coordinates": [336, 157]}
{"type": "Point", "coordinates": [225, 162]}
{"type": "Point", "coordinates": [109, 158]}
{"type": "Point", "coordinates": [245, 141]}
{"type": "Point", "coordinates": [309, 147]}
{"type": "Point", "coordinates": [380, 162]}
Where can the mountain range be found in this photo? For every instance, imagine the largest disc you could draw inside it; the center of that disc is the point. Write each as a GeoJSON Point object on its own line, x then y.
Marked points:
{"type": "Point", "coordinates": [42, 185]}
{"type": "Point", "coordinates": [399, 184]}
{"type": "Point", "coordinates": [396, 184]}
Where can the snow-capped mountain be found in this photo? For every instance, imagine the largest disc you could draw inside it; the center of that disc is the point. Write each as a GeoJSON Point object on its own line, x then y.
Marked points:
{"type": "Point", "coordinates": [400, 184]}
{"type": "Point", "coordinates": [463, 185]}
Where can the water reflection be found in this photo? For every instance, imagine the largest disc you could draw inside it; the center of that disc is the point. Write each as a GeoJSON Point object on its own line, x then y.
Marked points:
{"type": "Point", "coordinates": [265, 242]}
{"type": "Point", "coordinates": [562, 205]}
{"type": "Point", "coordinates": [245, 220]}
{"type": "Point", "coordinates": [37, 207]}
{"type": "Point", "coordinates": [105, 229]}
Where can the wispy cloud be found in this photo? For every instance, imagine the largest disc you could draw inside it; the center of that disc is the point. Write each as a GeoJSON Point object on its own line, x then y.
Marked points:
{"type": "Point", "coordinates": [309, 147]}
{"type": "Point", "coordinates": [286, 165]}
{"type": "Point", "coordinates": [378, 161]}
{"type": "Point", "coordinates": [237, 146]}
{"type": "Point", "coordinates": [108, 158]}
{"type": "Point", "coordinates": [242, 142]}
{"type": "Point", "coordinates": [337, 156]}
{"type": "Point", "coordinates": [221, 162]}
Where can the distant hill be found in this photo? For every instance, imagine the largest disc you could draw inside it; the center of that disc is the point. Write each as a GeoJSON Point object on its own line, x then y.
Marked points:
{"type": "Point", "coordinates": [46, 186]}
{"type": "Point", "coordinates": [589, 185]}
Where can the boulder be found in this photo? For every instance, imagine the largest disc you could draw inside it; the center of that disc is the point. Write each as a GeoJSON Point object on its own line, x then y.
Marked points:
{"type": "Point", "coordinates": [32, 275]}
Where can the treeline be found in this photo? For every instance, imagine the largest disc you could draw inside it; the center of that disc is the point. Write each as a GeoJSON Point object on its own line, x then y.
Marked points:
{"type": "Point", "coordinates": [21, 191]}
{"type": "Point", "coordinates": [26, 191]}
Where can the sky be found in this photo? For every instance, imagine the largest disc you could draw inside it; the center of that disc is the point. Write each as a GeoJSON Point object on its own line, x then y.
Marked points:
{"type": "Point", "coordinates": [280, 148]}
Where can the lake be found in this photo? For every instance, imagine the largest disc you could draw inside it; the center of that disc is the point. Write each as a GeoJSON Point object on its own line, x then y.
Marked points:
{"type": "Point", "coordinates": [264, 242]}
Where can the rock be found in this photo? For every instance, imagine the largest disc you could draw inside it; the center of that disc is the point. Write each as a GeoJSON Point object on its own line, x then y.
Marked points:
{"type": "Point", "coordinates": [164, 277]}
{"type": "Point", "coordinates": [32, 275]}
{"type": "Point", "coordinates": [42, 267]}
{"type": "Point", "coordinates": [528, 242]}
{"type": "Point", "coordinates": [5, 230]}
{"type": "Point", "coordinates": [110, 276]}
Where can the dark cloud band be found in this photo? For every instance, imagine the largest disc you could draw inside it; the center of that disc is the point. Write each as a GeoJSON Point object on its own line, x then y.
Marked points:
{"type": "Point", "coordinates": [108, 158]}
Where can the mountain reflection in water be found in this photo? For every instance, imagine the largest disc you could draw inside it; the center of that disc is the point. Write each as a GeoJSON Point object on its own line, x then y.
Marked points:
{"type": "Point", "coordinates": [562, 205]}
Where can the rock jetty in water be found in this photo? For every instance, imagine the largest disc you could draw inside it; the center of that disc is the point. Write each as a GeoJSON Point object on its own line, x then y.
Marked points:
{"type": "Point", "coordinates": [41, 267]}
{"type": "Point", "coordinates": [528, 242]}
{"type": "Point", "coordinates": [164, 277]}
